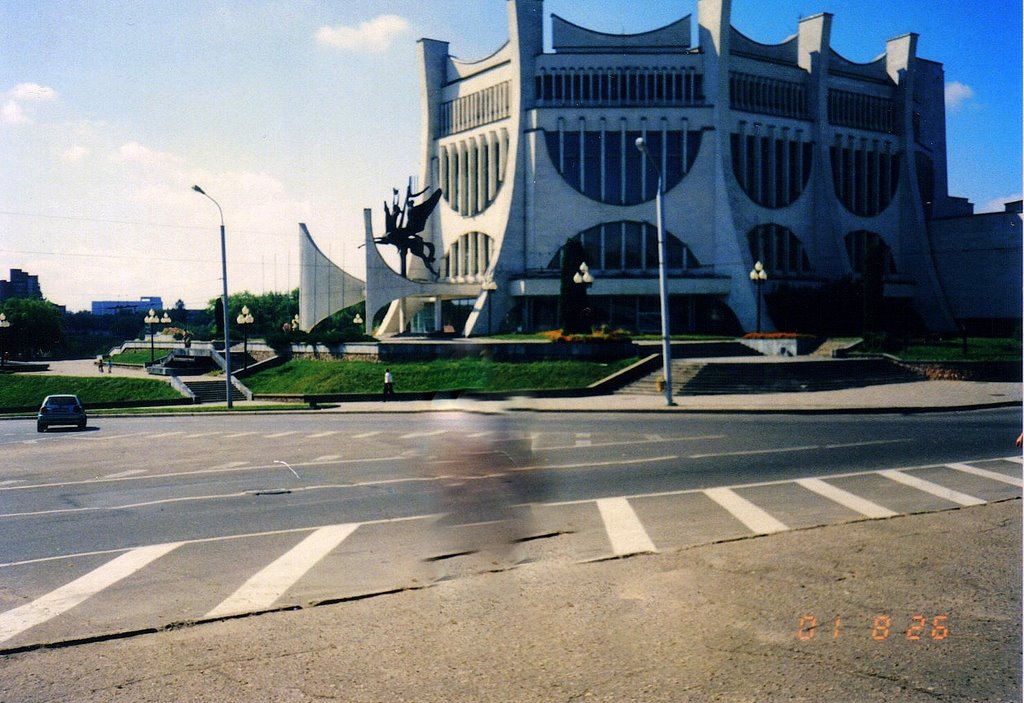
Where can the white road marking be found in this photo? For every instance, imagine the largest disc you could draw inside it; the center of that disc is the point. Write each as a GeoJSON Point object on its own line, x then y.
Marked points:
{"type": "Point", "coordinates": [14, 622]}
{"type": "Point", "coordinates": [165, 434]}
{"type": "Point", "coordinates": [583, 439]}
{"type": "Point", "coordinates": [124, 474]}
{"type": "Point", "coordinates": [414, 435]}
{"type": "Point", "coordinates": [995, 476]}
{"type": "Point", "coordinates": [228, 465]}
{"type": "Point", "coordinates": [280, 434]}
{"type": "Point", "coordinates": [845, 498]}
{"type": "Point", "coordinates": [753, 452]}
{"type": "Point", "coordinates": [757, 520]}
{"type": "Point", "coordinates": [11, 482]}
{"type": "Point", "coordinates": [236, 435]}
{"type": "Point", "coordinates": [318, 435]}
{"type": "Point", "coordinates": [365, 435]}
{"type": "Point", "coordinates": [932, 488]}
{"type": "Point", "coordinates": [326, 457]}
{"type": "Point", "coordinates": [200, 434]}
{"type": "Point", "coordinates": [625, 531]}
{"type": "Point", "coordinates": [265, 587]}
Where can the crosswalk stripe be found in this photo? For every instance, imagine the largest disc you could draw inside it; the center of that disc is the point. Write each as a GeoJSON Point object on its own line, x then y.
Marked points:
{"type": "Point", "coordinates": [54, 603]}
{"type": "Point", "coordinates": [995, 476]}
{"type": "Point", "coordinates": [845, 498]}
{"type": "Point", "coordinates": [932, 488]}
{"type": "Point", "coordinates": [624, 529]}
{"type": "Point", "coordinates": [756, 519]}
{"type": "Point", "coordinates": [265, 587]}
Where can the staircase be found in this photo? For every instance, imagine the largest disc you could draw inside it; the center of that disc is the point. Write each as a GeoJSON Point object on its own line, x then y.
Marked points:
{"type": "Point", "coordinates": [212, 391]}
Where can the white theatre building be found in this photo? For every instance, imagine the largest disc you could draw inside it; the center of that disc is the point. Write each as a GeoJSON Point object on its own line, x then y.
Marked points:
{"type": "Point", "coordinates": [787, 154]}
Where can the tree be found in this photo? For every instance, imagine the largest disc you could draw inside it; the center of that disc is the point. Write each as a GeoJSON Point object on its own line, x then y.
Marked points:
{"type": "Point", "coordinates": [36, 327]}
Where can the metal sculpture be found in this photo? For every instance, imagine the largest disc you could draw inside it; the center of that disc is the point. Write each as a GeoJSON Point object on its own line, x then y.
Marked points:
{"type": "Point", "coordinates": [403, 223]}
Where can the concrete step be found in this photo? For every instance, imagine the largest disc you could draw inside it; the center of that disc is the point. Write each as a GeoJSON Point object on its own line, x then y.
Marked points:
{"type": "Point", "coordinates": [212, 391]}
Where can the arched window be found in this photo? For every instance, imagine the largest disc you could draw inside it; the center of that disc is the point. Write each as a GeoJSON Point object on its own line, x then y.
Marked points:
{"type": "Point", "coordinates": [865, 174]}
{"type": "Point", "coordinates": [469, 256]}
{"type": "Point", "coordinates": [771, 166]}
{"type": "Point", "coordinates": [859, 245]}
{"type": "Point", "coordinates": [779, 250]}
{"type": "Point", "coordinates": [630, 248]}
{"type": "Point", "coordinates": [605, 165]}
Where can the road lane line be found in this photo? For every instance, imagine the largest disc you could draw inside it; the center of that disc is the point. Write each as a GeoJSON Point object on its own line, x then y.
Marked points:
{"type": "Point", "coordinates": [364, 435]}
{"type": "Point", "coordinates": [845, 498]}
{"type": "Point", "coordinates": [197, 435]}
{"type": "Point", "coordinates": [318, 435]}
{"type": "Point", "coordinates": [228, 465]}
{"type": "Point", "coordinates": [14, 622]}
{"type": "Point", "coordinates": [265, 587]}
{"type": "Point", "coordinates": [236, 435]}
{"type": "Point", "coordinates": [326, 457]}
{"type": "Point", "coordinates": [932, 488]}
{"type": "Point", "coordinates": [756, 520]}
{"type": "Point", "coordinates": [994, 475]}
{"type": "Point", "coordinates": [11, 482]}
{"type": "Point", "coordinates": [625, 531]}
{"type": "Point", "coordinates": [583, 439]}
{"type": "Point", "coordinates": [125, 474]}
{"type": "Point", "coordinates": [753, 452]}
{"type": "Point", "coordinates": [280, 434]}
{"type": "Point", "coordinates": [416, 435]}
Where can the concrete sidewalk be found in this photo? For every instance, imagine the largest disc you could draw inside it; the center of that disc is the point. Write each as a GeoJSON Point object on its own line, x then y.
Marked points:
{"type": "Point", "coordinates": [921, 396]}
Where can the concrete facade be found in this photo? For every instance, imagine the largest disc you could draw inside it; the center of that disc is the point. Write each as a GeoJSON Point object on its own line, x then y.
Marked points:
{"type": "Point", "coordinates": [788, 154]}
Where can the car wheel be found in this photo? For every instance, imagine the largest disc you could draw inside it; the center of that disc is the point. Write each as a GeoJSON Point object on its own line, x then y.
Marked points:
{"type": "Point", "coordinates": [40, 428]}
{"type": "Point", "coordinates": [81, 425]}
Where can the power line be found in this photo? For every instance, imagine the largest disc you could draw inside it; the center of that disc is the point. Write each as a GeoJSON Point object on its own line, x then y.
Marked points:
{"type": "Point", "coordinates": [72, 218]}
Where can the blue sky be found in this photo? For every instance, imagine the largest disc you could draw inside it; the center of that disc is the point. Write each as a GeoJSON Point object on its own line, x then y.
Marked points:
{"type": "Point", "coordinates": [291, 111]}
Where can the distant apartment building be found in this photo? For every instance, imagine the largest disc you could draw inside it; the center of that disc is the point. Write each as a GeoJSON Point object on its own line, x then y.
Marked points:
{"type": "Point", "coordinates": [20, 285]}
{"type": "Point", "coordinates": [112, 307]}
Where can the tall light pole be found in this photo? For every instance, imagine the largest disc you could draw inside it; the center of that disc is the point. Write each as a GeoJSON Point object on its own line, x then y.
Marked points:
{"type": "Point", "coordinates": [224, 278]}
{"type": "Point", "coordinates": [666, 343]}
{"type": "Point", "coordinates": [758, 276]}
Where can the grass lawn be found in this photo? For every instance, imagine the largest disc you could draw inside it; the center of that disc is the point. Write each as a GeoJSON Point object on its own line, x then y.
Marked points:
{"type": "Point", "coordinates": [137, 357]}
{"type": "Point", "coordinates": [303, 376]}
{"type": "Point", "coordinates": [978, 349]}
{"type": "Point", "coordinates": [17, 390]}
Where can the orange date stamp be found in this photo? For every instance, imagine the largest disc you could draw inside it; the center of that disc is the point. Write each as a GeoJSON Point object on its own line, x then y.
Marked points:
{"type": "Point", "coordinates": [916, 628]}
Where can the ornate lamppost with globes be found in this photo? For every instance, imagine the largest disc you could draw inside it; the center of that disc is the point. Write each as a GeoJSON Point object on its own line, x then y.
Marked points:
{"type": "Point", "coordinates": [758, 276]}
{"type": "Point", "coordinates": [245, 319]}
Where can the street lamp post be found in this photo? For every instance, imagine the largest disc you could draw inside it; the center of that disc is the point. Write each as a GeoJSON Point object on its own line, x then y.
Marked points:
{"type": "Point", "coordinates": [758, 276]}
{"type": "Point", "coordinates": [224, 278]}
{"type": "Point", "coordinates": [490, 285]}
{"type": "Point", "coordinates": [584, 278]}
{"type": "Point", "coordinates": [151, 319]}
{"type": "Point", "coordinates": [666, 344]}
{"type": "Point", "coordinates": [244, 320]}
{"type": "Point", "coordinates": [4, 324]}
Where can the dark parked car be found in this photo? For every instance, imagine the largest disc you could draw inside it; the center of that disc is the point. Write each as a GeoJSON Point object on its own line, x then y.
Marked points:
{"type": "Point", "coordinates": [60, 410]}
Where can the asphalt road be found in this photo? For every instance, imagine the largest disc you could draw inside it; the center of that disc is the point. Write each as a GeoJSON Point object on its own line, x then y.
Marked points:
{"type": "Point", "coordinates": [149, 522]}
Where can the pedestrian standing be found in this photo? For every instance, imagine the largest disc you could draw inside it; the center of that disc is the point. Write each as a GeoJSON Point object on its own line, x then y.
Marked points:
{"type": "Point", "coordinates": [110, 364]}
{"type": "Point", "coordinates": [389, 384]}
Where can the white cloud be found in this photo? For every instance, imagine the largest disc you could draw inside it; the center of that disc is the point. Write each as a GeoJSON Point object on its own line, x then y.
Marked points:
{"type": "Point", "coordinates": [957, 94]}
{"type": "Point", "coordinates": [31, 92]}
{"type": "Point", "coordinates": [374, 36]}
{"type": "Point", "coordinates": [75, 153]}
{"type": "Point", "coordinates": [133, 152]}
{"type": "Point", "coordinates": [13, 113]}
{"type": "Point", "coordinates": [999, 204]}
{"type": "Point", "coordinates": [13, 109]}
